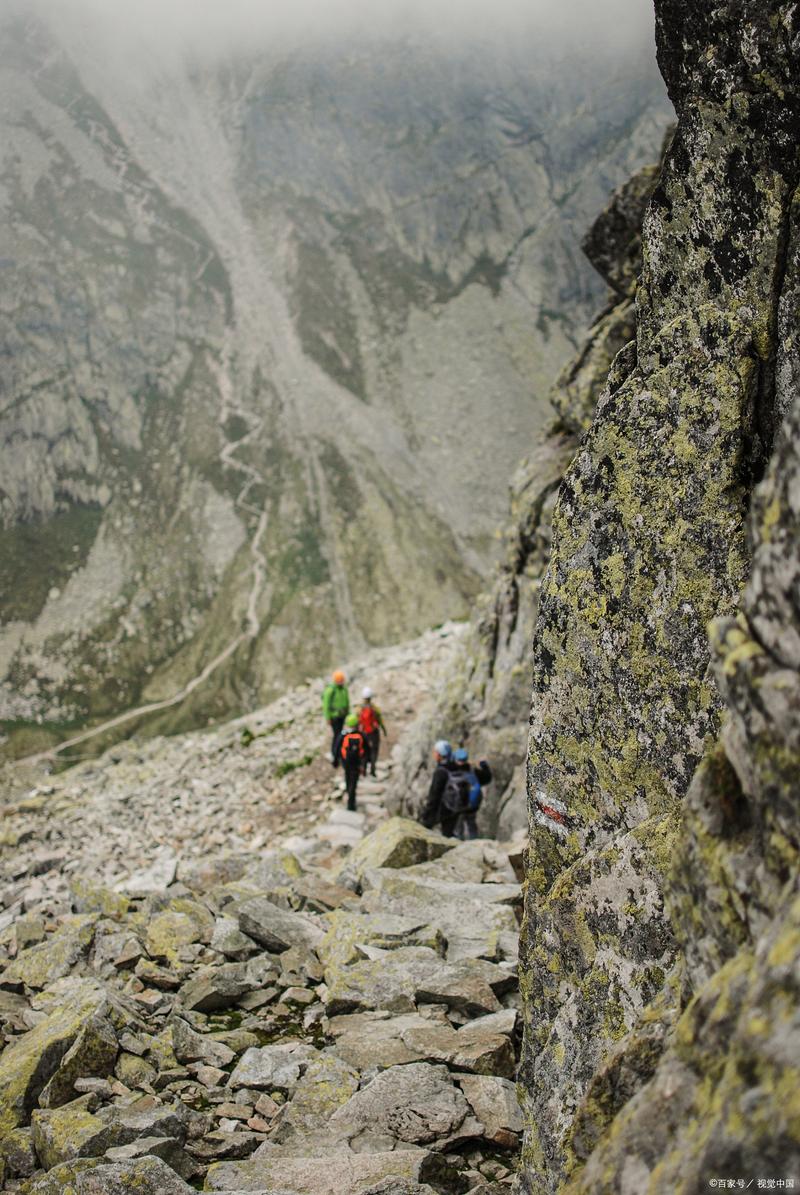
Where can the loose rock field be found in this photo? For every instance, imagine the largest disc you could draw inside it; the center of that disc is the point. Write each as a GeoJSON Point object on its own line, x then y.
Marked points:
{"type": "Point", "coordinates": [307, 1013]}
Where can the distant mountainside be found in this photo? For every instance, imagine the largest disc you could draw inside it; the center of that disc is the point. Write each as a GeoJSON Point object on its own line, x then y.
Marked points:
{"type": "Point", "coordinates": [273, 335]}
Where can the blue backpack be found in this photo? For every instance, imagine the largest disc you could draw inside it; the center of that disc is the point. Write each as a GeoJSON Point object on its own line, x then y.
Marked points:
{"type": "Point", "coordinates": [474, 791]}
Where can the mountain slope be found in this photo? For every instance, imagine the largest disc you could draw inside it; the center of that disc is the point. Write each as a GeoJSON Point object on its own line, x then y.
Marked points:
{"type": "Point", "coordinates": [271, 328]}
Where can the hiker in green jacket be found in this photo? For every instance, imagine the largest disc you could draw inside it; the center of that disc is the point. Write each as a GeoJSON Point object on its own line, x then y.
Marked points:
{"type": "Point", "coordinates": [336, 707]}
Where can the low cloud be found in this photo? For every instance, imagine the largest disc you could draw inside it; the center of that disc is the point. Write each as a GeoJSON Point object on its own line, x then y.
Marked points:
{"type": "Point", "coordinates": [221, 26]}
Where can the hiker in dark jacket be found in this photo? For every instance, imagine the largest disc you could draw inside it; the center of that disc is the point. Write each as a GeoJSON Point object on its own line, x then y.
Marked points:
{"type": "Point", "coordinates": [479, 776]}
{"type": "Point", "coordinates": [350, 749]}
{"type": "Point", "coordinates": [433, 811]}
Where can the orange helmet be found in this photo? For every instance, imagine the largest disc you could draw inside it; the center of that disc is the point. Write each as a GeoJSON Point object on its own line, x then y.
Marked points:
{"type": "Point", "coordinates": [338, 678]}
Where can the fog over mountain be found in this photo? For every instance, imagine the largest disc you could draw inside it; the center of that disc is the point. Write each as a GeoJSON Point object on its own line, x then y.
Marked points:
{"type": "Point", "coordinates": [214, 28]}
{"type": "Point", "coordinates": [283, 291]}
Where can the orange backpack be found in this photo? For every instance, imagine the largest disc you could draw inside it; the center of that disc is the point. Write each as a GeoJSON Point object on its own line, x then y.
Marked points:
{"type": "Point", "coordinates": [352, 746]}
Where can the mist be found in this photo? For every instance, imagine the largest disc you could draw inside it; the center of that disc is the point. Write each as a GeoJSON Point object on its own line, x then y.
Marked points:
{"type": "Point", "coordinates": [218, 27]}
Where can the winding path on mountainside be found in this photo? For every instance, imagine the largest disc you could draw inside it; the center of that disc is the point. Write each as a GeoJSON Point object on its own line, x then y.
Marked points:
{"type": "Point", "coordinates": [230, 406]}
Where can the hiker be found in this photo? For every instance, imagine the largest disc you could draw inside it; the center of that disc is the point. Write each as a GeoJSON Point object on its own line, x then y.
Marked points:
{"type": "Point", "coordinates": [335, 707]}
{"type": "Point", "coordinates": [444, 804]}
{"type": "Point", "coordinates": [351, 750]}
{"type": "Point", "coordinates": [479, 776]}
{"type": "Point", "coordinates": [370, 723]}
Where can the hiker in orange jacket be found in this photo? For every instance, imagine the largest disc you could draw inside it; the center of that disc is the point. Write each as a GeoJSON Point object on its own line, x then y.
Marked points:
{"type": "Point", "coordinates": [371, 725]}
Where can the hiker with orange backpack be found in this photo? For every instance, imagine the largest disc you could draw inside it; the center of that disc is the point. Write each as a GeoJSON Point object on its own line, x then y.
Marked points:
{"type": "Point", "coordinates": [370, 723]}
{"type": "Point", "coordinates": [350, 749]}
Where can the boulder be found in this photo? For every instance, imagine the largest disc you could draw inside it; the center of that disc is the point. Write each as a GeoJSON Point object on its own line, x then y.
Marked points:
{"type": "Point", "coordinates": [155, 878]}
{"type": "Point", "coordinates": [18, 1153]}
{"type": "Point", "coordinates": [144, 1176]}
{"type": "Point", "coordinates": [328, 1084]}
{"type": "Point", "coordinates": [92, 1054]}
{"type": "Point", "coordinates": [212, 988]}
{"type": "Point", "coordinates": [334, 1174]}
{"type": "Point", "coordinates": [89, 897]}
{"type": "Point", "coordinates": [415, 1104]}
{"type": "Point", "coordinates": [27, 1064]}
{"type": "Point", "coordinates": [389, 982]}
{"type": "Point", "coordinates": [277, 929]}
{"type": "Point", "coordinates": [272, 1068]}
{"type": "Point", "coordinates": [372, 1040]}
{"type": "Point", "coordinates": [165, 1148]}
{"type": "Point", "coordinates": [72, 1131]}
{"type": "Point", "coordinates": [494, 1102]}
{"type": "Point", "coordinates": [483, 1046]}
{"type": "Point", "coordinates": [397, 842]}
{"type": "Point", "coordinates": [39, 966]}
{"type": "Point", "coordinates": [350, 930]}
{"type": "Point", "coordinates": [181, 924]}
{"type": "Point", "coordinates": [396, 980]}
{"type": "Point", "coordinates": [229, 940]}
{"type": "Point", "coordinates": [198, 1047]}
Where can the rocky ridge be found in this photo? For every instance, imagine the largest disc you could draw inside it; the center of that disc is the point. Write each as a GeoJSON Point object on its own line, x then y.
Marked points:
{"type": "Point", "coordinates": [318, 1011]}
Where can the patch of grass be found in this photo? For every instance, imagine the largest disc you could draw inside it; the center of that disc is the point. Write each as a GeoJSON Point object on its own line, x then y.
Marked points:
{"type": "Point", "coordinates": [291, 765]}
{"type": "Point", "coordinates": [247, 737]}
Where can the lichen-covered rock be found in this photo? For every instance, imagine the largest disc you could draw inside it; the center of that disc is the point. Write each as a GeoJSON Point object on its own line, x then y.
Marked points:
{"type": "Point", "coordinates": [144, 1176]}
{"type": "Point", "coordinates": [93, 1054]}
{"type": "Point", "coordinates": [18, 1153]}
{"type": "Point", "coordinates": [334, 1173]}
{"type": "Point", "coordinates": [62, 1134]}
{"type": "Point", "coordinates": [416, 1104]}
{"type": "Point", "coordinates": [327, 1084]}
{"type": "Point", "coordinates": [39, 966]}
{"type": "Point", "coordinates": [397, 842]}
{"type": "Point", "coordinates": [689, 1077]}
{"type": "Point", "coordinates": [277, 929]}
{"type": "Point", "coordinates": [180, 924]}
{"type": "Point", "coordinates": [272, 1068]}
{"type": "Point", "coordinates": [28, 1064]}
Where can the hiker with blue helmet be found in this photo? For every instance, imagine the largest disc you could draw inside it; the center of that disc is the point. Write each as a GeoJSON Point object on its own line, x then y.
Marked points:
{"type": "Point", "coordinates": [478, 775]}
{"type": "Point", "coordinates": [442, 805]}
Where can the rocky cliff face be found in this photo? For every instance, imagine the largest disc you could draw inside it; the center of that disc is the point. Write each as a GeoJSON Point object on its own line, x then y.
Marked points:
{"type": "Point", "coordinates": [486, 696]}
{"type": "Point", "coordinates": [251, 317]}
{"type": "Point", "coordinates": [660, 947]}
{"type": "Point", "coordinates": [661, 942]}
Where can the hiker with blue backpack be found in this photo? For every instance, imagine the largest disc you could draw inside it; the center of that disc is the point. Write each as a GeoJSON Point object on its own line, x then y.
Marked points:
{"type": "Point", "coordinates": [478, 775]}
{"type": "Point", "coordinates": [454, 795]}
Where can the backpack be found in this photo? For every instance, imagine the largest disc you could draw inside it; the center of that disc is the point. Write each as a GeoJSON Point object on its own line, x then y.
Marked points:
{"type": "Point", "coordinates": [368, 719]}
{"type": "Point", "coordinates": [475, 790]}
{"type": "Point", "coordinates": [457, 793]}
{"type": "Point", "coordinates": [352, 747]}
